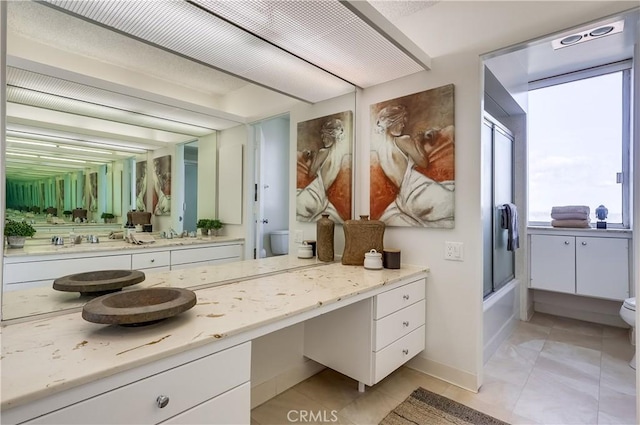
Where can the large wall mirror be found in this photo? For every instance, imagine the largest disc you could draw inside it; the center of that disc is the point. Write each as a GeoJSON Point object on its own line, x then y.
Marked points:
{"type": "Point", "coordinates": [86, 104]}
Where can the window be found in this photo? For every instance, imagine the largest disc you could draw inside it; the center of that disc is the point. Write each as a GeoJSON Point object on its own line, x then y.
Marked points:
{"type": "Point", "coordinates": [578, 141]}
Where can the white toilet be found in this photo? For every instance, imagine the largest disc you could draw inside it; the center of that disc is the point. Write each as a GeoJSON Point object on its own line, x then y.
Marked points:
{"type": "Point", "coordinates": [628, 314]}
{"type": "Point", "coordinates": [279, 242]}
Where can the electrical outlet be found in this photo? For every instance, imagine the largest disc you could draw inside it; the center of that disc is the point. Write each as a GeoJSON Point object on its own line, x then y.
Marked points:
{"type": "Point", "coordinates": [299, 236]}
{"type": "Point", "coordinates": [453, 251]}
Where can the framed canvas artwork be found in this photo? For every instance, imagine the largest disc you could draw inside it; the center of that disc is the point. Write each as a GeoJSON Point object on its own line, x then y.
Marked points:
{"type": "Point", "coordinates": [162, 185]}
{"type": "Point", "coordinates": [141, 186]}
{"type": "Point", "coordinates": [412, 160]}
{"type": "Point", "coordinates": [324, 168]}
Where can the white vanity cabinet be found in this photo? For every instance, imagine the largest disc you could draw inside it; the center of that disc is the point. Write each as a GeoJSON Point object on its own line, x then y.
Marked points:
{"type": "Point", "coordinates": [23, 272]}
{"type": "Point", "coordinates": [205, 256]}
{"type": "Point", "coordinates": [214, 389]}
{"type": "Point", "coordinates": [591, 266]}
{"type": "Point", "coordinates": [376, 335]}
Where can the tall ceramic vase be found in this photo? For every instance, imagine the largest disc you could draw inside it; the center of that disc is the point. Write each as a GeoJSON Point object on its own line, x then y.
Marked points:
{"type": "Point", "coordinates": [324, 233]}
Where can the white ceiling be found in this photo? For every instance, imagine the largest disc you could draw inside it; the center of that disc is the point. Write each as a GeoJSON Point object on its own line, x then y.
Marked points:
{"type": "Point", "coordinates": [439, 28]}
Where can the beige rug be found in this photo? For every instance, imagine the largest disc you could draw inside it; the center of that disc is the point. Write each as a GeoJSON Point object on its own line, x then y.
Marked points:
{"type": "Point", "coordinates": [423, 407]}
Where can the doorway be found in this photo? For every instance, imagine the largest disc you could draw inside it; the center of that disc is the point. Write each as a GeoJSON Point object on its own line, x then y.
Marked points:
{"type": "Point", "coordinates": [271, 181]}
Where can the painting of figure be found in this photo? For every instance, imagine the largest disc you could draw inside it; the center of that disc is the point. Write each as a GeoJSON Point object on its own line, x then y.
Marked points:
{"type": "Point", "coordinates": [141, 186]}
{"type": "Point", "coordinates": [412, 160]}
{"type": "Point", "coordinates": [162, 185]}
{"type": "Point", "coordinates": [324, 164]}
{"type": "Point", "coordinates": [93, 191]}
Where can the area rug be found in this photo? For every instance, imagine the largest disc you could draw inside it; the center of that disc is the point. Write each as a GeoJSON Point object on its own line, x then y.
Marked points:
{"type": "Point", "coordinates": [423, 407]}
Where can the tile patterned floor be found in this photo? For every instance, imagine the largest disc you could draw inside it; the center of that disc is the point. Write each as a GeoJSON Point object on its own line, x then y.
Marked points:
{"type": "Point", "coordinates": [551, 370]}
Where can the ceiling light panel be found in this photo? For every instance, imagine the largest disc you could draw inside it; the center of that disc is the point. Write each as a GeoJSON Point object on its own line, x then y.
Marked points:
{"type": "Point", "coordinates": [323, 32]}
{"type": "Point", "coordinates": [141, 109]}
{"type": "Point", "coordinates": [194, 33]}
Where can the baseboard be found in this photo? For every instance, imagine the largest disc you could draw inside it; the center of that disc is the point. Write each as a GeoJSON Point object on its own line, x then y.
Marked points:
{"type": "Point", "coordinates": [587, 316]}
{"type": "Point", "coordinates": [457, 377]}
{"type": "Point", "coordinates": [265, 391]}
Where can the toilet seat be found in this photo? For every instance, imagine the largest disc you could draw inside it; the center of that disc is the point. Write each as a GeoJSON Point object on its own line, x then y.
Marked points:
{"type": "Point", "coordinates": [630, 304]}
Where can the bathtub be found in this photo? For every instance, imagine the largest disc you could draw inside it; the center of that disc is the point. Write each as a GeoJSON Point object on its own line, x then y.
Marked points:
{"type": "Point", "coordinates": [500, 316]}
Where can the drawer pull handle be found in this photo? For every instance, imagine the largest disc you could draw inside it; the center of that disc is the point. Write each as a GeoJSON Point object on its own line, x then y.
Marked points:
{"type": "Point", "coordinates": [405, 351]}
{"type": "Point", "coordinates": [406, 297]}
{"type": "Point", "coordinates": [162, 401]}
{"type": "Point", "coordinates": [153, 260]}
{"type": "Point", "coordinates": [584, 243]}
{"type": "Point", "coordinates": [566, 242]}
{"type": "Point", "coordinates": [405, 323]}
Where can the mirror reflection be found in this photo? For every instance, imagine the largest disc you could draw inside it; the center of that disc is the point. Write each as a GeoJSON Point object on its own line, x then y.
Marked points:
{"type": "Point", "coordinates": [89, 112]}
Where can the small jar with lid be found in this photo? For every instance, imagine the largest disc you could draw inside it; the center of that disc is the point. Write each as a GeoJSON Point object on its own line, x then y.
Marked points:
{"type": "Point", "coordinates": [373, 260]}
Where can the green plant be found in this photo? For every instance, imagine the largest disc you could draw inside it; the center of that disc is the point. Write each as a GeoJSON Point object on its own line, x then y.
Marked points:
{"type": "Point", "coordinates": [215, 224]}
{"type": "Point", "coordinates": [203, 223]}
{"type": "Point", "coordinates": [66, 212]}
{"type": "Point", "coordinates": [107, 216]}
{"type": "Point", "coordinates": [18, 228]}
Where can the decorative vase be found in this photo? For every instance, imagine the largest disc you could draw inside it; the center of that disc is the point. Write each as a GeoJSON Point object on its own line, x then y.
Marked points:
{"type": "Point", "coordinates": [360, 237]}
{"type": "Point", "coordinates": [324, 235]}
{"type": "Point", "coordinates": [16, 241]}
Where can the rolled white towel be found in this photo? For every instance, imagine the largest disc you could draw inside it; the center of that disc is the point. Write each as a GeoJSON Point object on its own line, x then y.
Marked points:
{"type": "Point", "coordinates": [570, 216]}
{"type": "Point", "coordinates": [571, 209]}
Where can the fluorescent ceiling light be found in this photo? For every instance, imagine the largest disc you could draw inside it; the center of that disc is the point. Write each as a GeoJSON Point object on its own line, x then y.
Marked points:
{"type": "Point", "coordinates": [28, 155]}
{"type": "Point", "coordinates": [75, 148]}
{"type": "Point", "coordinates": [120, 147]}
{"type": "Point", "coordinates": [24, 142]}
{"type": "Point", "coordinates": [53, 158]}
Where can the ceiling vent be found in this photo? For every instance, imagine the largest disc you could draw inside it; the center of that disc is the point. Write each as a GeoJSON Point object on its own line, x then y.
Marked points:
{"type": "Point", "coordinates": [588, 34]}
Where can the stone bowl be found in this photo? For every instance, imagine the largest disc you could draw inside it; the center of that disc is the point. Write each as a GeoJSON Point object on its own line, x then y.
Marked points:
{"type": "Point", "coordinates": [138, 306]}
{"type": "Point", "coordinates": [98, 282]}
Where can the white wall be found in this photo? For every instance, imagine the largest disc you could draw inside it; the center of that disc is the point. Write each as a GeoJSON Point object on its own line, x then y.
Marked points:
{"type": "Point", "coordinates": [454, 289]}
{"type": "Point", "coordinates": [207, 171]}
{"type": "Point", "coordinates": [234, 135]}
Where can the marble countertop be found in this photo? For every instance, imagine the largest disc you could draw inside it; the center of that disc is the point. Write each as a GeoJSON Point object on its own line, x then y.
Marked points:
{"type": "Point", "coordinates": [43, 357]}
{"type": "Point", "coordinates": [33, 302]}
{"type": "Point", "coordinates": [44, 247]}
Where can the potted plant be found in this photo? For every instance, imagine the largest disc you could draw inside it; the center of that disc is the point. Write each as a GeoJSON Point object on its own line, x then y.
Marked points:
{"type": "Point", "coordinates": [204, 226]}
{"type": "Point", "coordinates": [108, 217]}
{"type": "Point", "coordinates": [215, 225]}
{"type": "Point", "coordinates": [16, 232]}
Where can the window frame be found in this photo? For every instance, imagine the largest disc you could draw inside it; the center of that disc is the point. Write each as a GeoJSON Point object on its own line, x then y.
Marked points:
{"type": "Point", "coordinates": [625, 67]}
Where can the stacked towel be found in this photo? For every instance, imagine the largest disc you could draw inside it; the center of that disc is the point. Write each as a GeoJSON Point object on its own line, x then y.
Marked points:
{"type": "Point", "coordinates": [570, 212]}
{"type": "Point", "coordinates": [571, 223]}
{"type": "Point", "coordinates": [570, 216]}
{"type": "Point", "coordinates": [140, 238]}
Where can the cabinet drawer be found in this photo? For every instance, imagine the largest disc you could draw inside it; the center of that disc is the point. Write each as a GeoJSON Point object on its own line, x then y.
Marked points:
{"type": "Point", "coordinates": [150, 259]}
{"type": "Point", "coordinates": [186, 386]}
{"type": "Point", "coordinates": [395, 299]}
{"type": "Point", "coordinates": [395, 355]}
{"type": "Point", "coordinates": [53, 269]}
{"type": "Point", "coordinates": [398, 324]}
{"type": "Point", "coordinates": [195, 255]}
{"type": "Point", "coordinates": [232, 407]}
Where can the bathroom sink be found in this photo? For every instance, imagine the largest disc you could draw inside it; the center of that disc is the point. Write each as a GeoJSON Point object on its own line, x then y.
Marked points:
{"type": "Point", "coordinates": [98, 282]}
{"type": "Point", "coordinates": [138, 306]}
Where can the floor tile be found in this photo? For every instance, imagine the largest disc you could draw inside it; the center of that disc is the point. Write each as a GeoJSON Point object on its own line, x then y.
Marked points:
{"type": "Point", "coordinates": [547, 400]}
{"type": "Point", "coordinates": [510, 364]}
{"type": "Point", "coordinates": [616, 408]}
{"type": "Point", "coordinates": [286, 408]}
{"type": "Point", "coordinates": [617, 375]}
{"type": "Point", "coordinates": [400, 384]}
{"type": "Point", "coordinates": [331, 389]}
{"type": "Point", "coordinates": [529, 336]}
{"type": "Point", "coordinates": [369, 409]}
{"type": "Point", "coordinates": [578, 326]}
{"type": "Point", "coordinates": [575, 338]}
{"type": "Point", "coordinates": [543, 319]}
{"type": "Point", "coordinates": [615, 332]}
